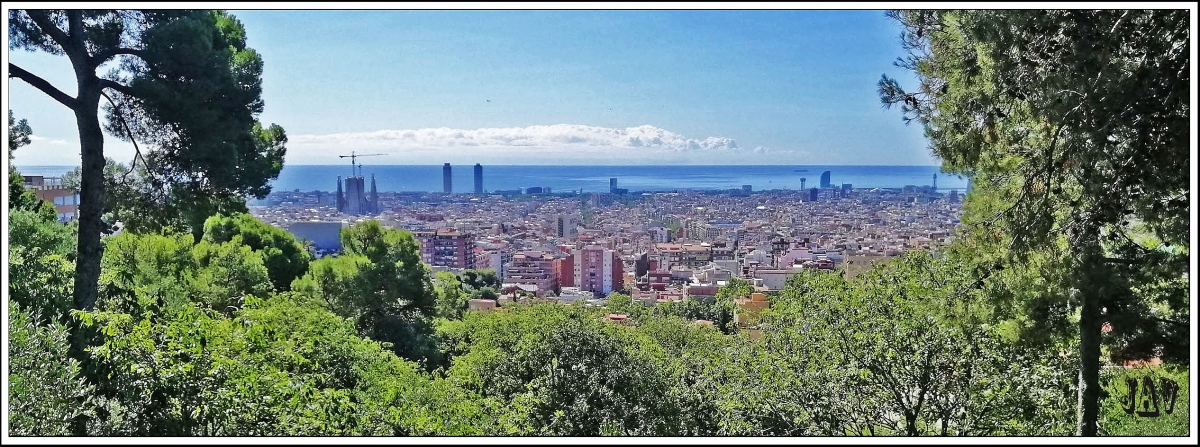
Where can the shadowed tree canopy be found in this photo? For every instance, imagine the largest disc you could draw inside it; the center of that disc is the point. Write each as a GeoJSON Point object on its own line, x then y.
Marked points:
{"type": "Point", "coordinates": [1075, 126]}
{"type": "Point", "coordinates": [449, 295]}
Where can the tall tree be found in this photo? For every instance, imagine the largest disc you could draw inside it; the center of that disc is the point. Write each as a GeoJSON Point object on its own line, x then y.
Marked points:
{"type": "Point", "coordinates": [18, 134]}
{"type": "Point", "coordinates": [1079, 120]}
{"type": "Point", "coordinates": [182, 81]}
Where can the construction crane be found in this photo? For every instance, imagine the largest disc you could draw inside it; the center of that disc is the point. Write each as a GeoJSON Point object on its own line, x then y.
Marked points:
{"type": "Point", "coordinates": [352, 157]}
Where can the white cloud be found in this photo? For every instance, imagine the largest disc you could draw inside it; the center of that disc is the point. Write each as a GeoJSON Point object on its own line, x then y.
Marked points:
{"type": "Point", "coordinates": [541, 144]}
{"type": "Point", "coordinates": [44, 140]}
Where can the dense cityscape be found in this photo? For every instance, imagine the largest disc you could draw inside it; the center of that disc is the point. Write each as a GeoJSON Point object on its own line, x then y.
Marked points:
{"type": "Point", "coordinates": [658, 246]}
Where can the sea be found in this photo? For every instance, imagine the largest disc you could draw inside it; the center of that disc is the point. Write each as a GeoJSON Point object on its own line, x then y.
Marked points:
{"type": "Point", "coordinates": [596, 178]}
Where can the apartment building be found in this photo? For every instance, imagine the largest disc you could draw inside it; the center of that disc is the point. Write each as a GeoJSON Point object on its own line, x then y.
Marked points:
{"type": "Point", "coordinates": [447, 247]}
{"type": "Point", "coordinates": [685, 254]}
{"type": "Point", "coordinates": [566, 226]}
{"type": "Point", "coordinates": [564, 271]}
{"type": "Point", "coordinates": [497, 260]}
{"type": "Point", "coordinates": [532, 268]}
{"type": "Point", "coordinates": [50, 189]}
{"type": "Point", "coordinates": [598, 270]}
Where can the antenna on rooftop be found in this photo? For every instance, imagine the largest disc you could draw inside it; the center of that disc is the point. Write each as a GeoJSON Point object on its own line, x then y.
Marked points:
{"type": "Point", "coordinates": [352, 157]}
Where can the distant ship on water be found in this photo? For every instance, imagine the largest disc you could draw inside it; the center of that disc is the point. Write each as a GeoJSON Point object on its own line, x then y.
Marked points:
{"type": "Point", "coordinates": [801, 170]}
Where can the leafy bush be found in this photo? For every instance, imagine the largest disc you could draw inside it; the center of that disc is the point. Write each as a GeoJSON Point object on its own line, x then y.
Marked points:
{"type": "Point", "coordinates": [562, 372]}
{"type": "Point", "coordinates": [44, 384]}
{"type": "Point", "coordinates": [275, 368]}
{"type": "Point", "coordinates": [284, 257]}
{"type": "Point", "coordinates": [41, 267]}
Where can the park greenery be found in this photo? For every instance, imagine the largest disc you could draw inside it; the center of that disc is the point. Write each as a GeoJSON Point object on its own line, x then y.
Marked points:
{"type": "Point", "coordinates": [205, 321]}
{"type": "Point", "coordinates": [1075, 124]}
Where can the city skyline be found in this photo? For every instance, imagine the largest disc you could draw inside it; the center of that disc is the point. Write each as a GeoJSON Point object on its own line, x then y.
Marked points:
{"type": "Point", "coordinates": [619, 88]}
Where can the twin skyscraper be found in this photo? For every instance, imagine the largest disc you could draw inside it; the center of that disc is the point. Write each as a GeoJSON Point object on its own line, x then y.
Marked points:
{"type": "Point", "coordinates": [448, 184]}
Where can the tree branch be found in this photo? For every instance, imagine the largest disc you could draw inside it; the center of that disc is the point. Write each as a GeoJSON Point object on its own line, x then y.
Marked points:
{"type": "Point", "coordinates": [43, 85]}
{"type": "Point", "coordinates": [1164, 320]}
{"type": "Point", "coordinates": [109, 83]}
{"type": "Point", "coordinates": [104, 56]}
{"type": "Point", "coordinates": [42, 19]}
{"type": "Point", "coordinates": [128, 133]}
{"type": "Point", "coordinates": [75, 31]}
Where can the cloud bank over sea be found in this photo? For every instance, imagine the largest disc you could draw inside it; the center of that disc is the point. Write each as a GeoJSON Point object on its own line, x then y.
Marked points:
{"type": "Point", "coordinates": [541, 144]}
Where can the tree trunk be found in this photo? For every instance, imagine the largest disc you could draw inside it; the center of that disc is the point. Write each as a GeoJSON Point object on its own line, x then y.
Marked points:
{"type": "Point", "coordinates": [910, 423]}
{"type": "Point", "coordinates": [1089, 277]}
{"type": "Point", "coordinates": [91, 204]}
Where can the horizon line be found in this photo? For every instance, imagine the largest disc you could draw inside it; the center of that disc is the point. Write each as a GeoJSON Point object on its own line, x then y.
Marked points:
{"type": "Point", "coordinates": [582, 165]}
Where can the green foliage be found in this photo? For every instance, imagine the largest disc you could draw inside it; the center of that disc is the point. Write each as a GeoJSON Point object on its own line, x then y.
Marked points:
{"type": "Point", "coordinates": [143, 273]}
{"type": "Point", "coordinates": [276, 367]}
{"type": "Point", "coordinates": [23, 199]}
{"type": "Point", "coordinates": [906, 348]}
{"type": "Point", "coordinates": [18, 134]}
{"type": "Point", "coordinates": [380, 282]}
{"type": "Point", "coordinates": [480, 284]}
{"type": "Point", "coordinates": [132, 198]}
{"type": "Point", "coordinates": [451, 299]}
{"type": "Point", "coordinates": [284, 258]}
{"type": "Point", "coordinates": [1148, 307]}
{"type": "Point", "coordinates": [228, 272]}
{"type": "Point", "coordinates": [335, 282]}
{"type": "Point", "coordinates": [44, 384]}
{"type": "Point", "coordinates": [197, 75]}
{"type": "Point", "coordinates": [561, 372]}
{"type": "Point", "coordinates": [480, 279]}
{"type": "Point", "coordinates": [901, 341]}
{"type": "Point", "coordinates": [700, 364]}
{"type": "Point", "coordinates": [724, 306]}
{"type": "Point", "coordinates": [18, 197]}
{"type": "Point", "coordinates": [143, 201]}
{"type": "Point", "coordinates": [30, 230]}
{"type": "Point", "coordinates": [424, 407]}
{"type": "Point", "coordinates": [1075, 123]}
{"type": "Point", "coordinates": [159, 273]}
{"type": "Point", "coordinates": [41, 283]}
{"type": "Point", "coordinates": [620, 303]}
{"type": "Point", "coordinates": [181, 81]}
{"type": "Point", "coordinates": [41, 264]}
{"type": "Point", "coordinates": [396, 279]}
{"type": "Point", "coordinates": [690, 309]}
{"type": "Point", "coordinates": [1059, 100]}
{"type": "Point", "coordinates": [1029, 300]}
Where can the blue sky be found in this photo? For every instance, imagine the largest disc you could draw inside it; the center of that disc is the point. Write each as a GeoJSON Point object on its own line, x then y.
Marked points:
{"type": "Point", "coordinates": [580, 87]}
